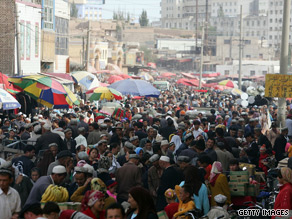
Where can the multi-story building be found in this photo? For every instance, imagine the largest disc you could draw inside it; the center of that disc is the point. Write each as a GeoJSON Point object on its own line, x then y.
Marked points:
{"type": "Point", "coordinates": [62, 18]}
{"type": "Point", "coordinates": [29, 18]}
{"type": "Point", "coordinates": [231, 8]}
{"type": "Point", "coordinates": [182, 14]}
{"type": "Point", "coordinates": [7, 39]}
{"type": "Point", "coordinates": [48, 36]}
{"type": "Point", "coordinates": [89, 9]}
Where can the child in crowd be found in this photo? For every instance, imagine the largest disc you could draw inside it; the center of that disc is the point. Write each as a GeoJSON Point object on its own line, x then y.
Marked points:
{"type": "Point", "coordinates": [111, 186]}
{"type": "Point", "coordinates": [218, 210]}
{"type": "Point", "coordinates": [186, 203]}
{"type": "Point", "coordinates": [172, 206]}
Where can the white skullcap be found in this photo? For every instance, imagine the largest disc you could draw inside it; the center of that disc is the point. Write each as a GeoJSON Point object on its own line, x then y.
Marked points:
{"type": "Point", "coordinates": [59, 169]}
{"type": "Point", "coordinates": [221, 199]}
{"type": "Point", "coordinates": [164, 142]}
{"type": "Point", "coordinates": [89, 168]}
{"type": "Point", "coordinates": [47, 126]}
{"type": "Point", "coordinates": [165, 158]}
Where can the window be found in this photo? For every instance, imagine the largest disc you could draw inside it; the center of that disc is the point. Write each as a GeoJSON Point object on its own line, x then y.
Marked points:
{"type": "Point", "coordinates": [252, 73]}
{"type": "Point", "coordinates": [226, 41]}
{"type": "Point", "coordinates": [252, 23]}
{"type": "Point", "coordinates": [259, 23]}
{"type": "Point", "coordinates": [48, 14]}
{"type": "Point", "coordinates": [36, 38]}
{"type": "Point", "coordinates": [247, 23]}
{"type": "Point", "coordinates": [271, 20]}
{"type": "Point", "coordinates": [247, 42]}
{"type": "Point", "coordinates": [226, 72]}
{"type": "Point", "coordinates": [22, 37]}
{"type": "Point", "coordinates": [28, 40]}
{"type": "Point", "coordinates": [265, 72]}
{"type": "Point", "coordinates": [264, 23]}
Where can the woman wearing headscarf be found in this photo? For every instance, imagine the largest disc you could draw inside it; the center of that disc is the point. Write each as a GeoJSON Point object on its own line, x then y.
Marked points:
{"type": "Point", "coordinates": [284, 198]}
{"type": "Point", "coordinates": [92, 205]}
{"type": "Point", "coordinates": [218, 183]}
{"type": "Point", "coordinates": [141, 204]}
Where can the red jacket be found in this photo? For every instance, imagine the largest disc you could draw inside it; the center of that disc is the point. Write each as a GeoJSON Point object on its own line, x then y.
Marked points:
{"type": "Point", "coordinates": [171, 209]}
{"type": "Point", "coordinates": [89, 213]}
{"type": "Point", "coordinates": [284, 198]}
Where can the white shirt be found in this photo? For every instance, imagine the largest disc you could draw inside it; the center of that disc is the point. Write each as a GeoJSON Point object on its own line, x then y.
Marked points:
{"type": "Point", "coordinates": [80, 139]}
{"type": "Point", "coordinates": [198, 132]}
{"type": "Point", "coordinates": [9, 204]}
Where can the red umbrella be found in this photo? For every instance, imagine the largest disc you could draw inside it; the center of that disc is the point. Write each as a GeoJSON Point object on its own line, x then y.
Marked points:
{"type": "Point", "coordinates": [6, 85]}
{"type": "Point", "coordinates": [151, 64]}
{"type": "Point", "coordinates": [125, 76]}
{"type": "Point", "coordinates": [188, 82]}
{"type": "Point", "coordinates": [114, 78]}
{"type": "Point", "coordinates": [168, 74]}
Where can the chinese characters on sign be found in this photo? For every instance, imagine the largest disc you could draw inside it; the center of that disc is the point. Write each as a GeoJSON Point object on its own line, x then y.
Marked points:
{"type": "Point", "coordinates": [278, 85]}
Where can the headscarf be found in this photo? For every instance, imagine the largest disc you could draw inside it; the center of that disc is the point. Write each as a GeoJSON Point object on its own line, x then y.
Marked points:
{"type": "Point", "coordinates": [138, 150]}
{"type": "Point", "coordinates": [286, 173]}
{"type": "Point", "coordinates": [99, 185]}
{"type": "Point", "coordinates": [177, 141]}
{"type": "Point", "coordinates": [215, 171]}
{"type": "Point", "coordinates": [90, 198]}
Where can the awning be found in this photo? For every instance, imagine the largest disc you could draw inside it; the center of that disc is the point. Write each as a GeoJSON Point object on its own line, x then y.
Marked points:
{"type": "Point", "coordinates": [60, 77]}
{"type": "Point", "coordinates": [189, 75]}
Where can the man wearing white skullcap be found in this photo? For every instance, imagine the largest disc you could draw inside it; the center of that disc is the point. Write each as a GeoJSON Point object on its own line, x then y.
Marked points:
{"type": "Point", "coordinates": [171, 176]}
{"type": "Point", "coordinates": [59, 173]}
{"type": "Point", "coordinates": [218, 211]}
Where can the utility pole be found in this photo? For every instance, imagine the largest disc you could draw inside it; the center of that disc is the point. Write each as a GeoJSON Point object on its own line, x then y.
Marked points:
{"type": "Point", "coordinates": [197, 26]}
{"type": "Point", "coordinates": [83, 52]}
{"type": "Point", "coordinates": [18, 58]}
{"type": "Point", "coordinates": [202, 56]}
{"type": "Point", "coordinates": [207, 17]}
{"type": "Point", "coordinates": [284, 59]}
{"type": "Point", "coordinates": [240, 50]}
{"type": "Point", "coordinates": [88, 47]}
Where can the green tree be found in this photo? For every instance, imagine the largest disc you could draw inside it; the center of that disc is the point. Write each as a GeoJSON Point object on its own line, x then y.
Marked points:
{"type": "Point", "coordinates": [143, 20]}
{"type": "Point", "coordinates": [128, 17]}
{"type": "Point", "coordinates": [74, 10]}
{"type": "Point", "coordinates": [148, 54]}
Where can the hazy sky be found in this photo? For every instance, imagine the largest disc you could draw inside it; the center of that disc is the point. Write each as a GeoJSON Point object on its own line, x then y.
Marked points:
{"type": "Point", "coordinates": [134, 7]}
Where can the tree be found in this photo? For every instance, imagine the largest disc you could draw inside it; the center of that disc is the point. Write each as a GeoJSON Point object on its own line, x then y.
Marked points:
{"type": "Point", "coordinates": [74, 10]}
{"type": "Point", "coordinates": [143, 20]}
{"type": "Point", "coordinates": [148, 54]}
{"type": "Point", "coordinates": [128, 17]}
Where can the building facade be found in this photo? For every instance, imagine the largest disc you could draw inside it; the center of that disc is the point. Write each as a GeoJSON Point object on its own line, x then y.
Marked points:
{"type": "Point", "coordinates": [62, 18]}
{"type": "Point", "coordinates": [89, 9]}
{"type": "Point", "coordinates": [182, 14]}
{"type": "Point", "coordinates": [29, 18]}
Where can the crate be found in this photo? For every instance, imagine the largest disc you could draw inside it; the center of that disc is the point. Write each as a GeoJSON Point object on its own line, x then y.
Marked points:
{"type": "Point", "coordinates": [253, 189]}
{"type": "Point", "coordinates": [237, 189]}
{"type": "Point", "coordinates": [250, 168]}
{"type": "Point", "coordinates": [239, 176]}
{"type": "Point", "coordinates": [67, 205]}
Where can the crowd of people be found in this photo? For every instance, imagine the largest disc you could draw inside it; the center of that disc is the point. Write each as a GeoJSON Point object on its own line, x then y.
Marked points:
{"type": "Point", "coordinates": [163, 156]}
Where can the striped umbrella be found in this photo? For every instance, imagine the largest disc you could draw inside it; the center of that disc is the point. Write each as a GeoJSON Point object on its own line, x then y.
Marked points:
{"type": "Point", "coordinates": [46, 91]}
{"type": "Point", "coordinates": [106, 93]}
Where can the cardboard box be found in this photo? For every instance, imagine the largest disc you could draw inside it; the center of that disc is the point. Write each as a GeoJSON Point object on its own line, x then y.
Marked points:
{"type": "Point", "coordinates": [253, 189]}
{"type": "Point", "coordinates": [250, 168]}
{"type": "Point", "coordinates": [237, 189]}
{"type": "Point", "coordinates": [239, 176]}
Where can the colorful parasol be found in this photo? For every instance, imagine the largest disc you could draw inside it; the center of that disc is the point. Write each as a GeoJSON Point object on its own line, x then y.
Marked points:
{"type": "Point", "coordinates": [46, 91]}
{"type": "Point", "coordinates": [168, 75]}
{"type": "Point", "coordinates": [228, 83]}
{"type": "Point", "coordinates": [85, 79]}
{"type": "Point", "coordinates": [7, 101]}
{"type": "Point", "coordinates": [106, 93]}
